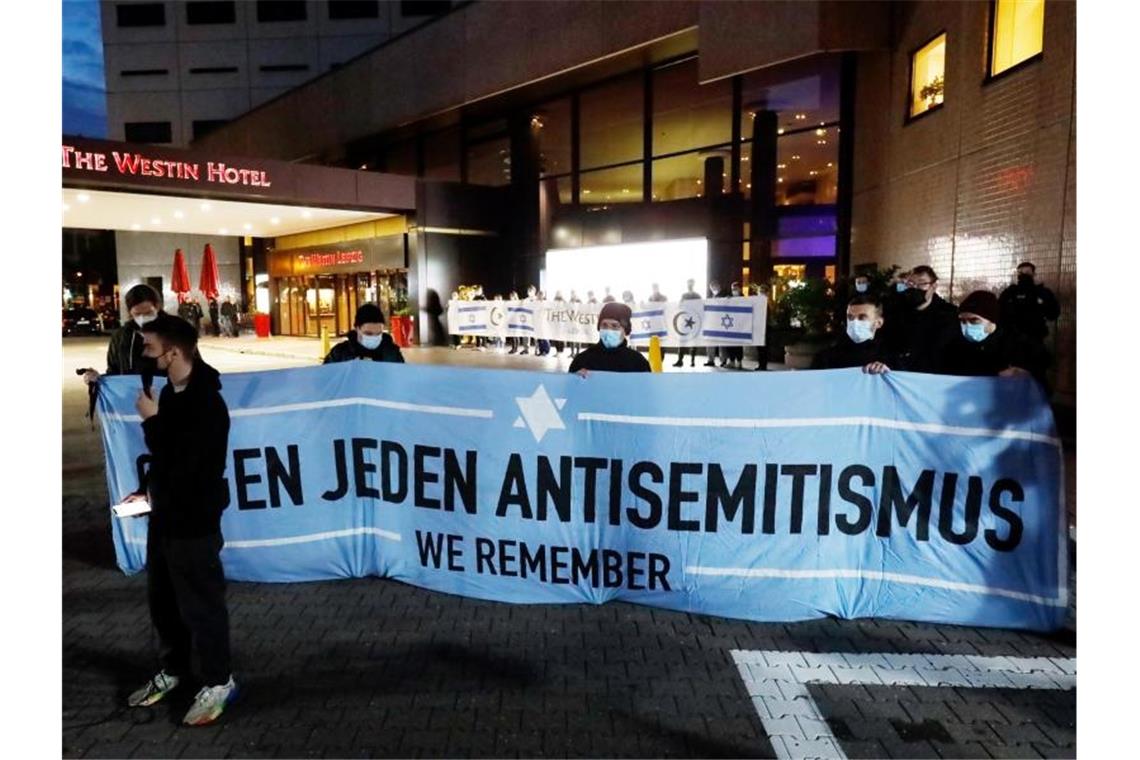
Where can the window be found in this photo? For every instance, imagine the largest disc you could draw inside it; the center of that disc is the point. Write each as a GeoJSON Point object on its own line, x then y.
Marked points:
{"type": "Point", "coordinates": [144, 73]}
{"type": "Point", "coordinates": [280, 10]}
{"type": "Point", "coordinates": [620, 185]}
{"type": "Point", "coordinates": [551, 122]}
{"type": "Point", "coordinates": [214, 70]}
{"type": "Point", "coordinates": [1018, 32]}
{"type": "Point", "coordinates": [349, 9]}
{"type": "Point", "coordinates": [489, 163]}
{"type": "Point", "coordinates": [807, 167]}
{"type": "Point", "coordinates": [277, 67]}
{"type": "Point", "coordinates": [206, 126]}
{"type": "Point", "coordinates": [140, 14]}
{"type": "Point", "coordinates": [801, 95]}
{"type": "Point", "coordinates": [611, 123]}
{"type": "Point", "coordinates": [686, 114]}
{"type": "Point", "coordinates": [441, 155]}
{"type": "Point", "coordinates": [147, 131]}
{"type": "Point", "coordinates": [412, 8]}
{"type": "Point", "coordinates": [928, 76]}
{"type": "Point", "coordinates": [210, 13]}
{"type": "Point", "coordinates": [683, 176]}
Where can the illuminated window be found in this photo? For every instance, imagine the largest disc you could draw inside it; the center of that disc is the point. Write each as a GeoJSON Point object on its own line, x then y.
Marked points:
{"type": "Point", "coordinates": [928, 76]}
{"type": "Point", "coordinates": [1018, 30]}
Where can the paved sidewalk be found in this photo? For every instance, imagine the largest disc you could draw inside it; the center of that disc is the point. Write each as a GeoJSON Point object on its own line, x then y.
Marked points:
{"type": "Point", "coordinates": [375, 668]}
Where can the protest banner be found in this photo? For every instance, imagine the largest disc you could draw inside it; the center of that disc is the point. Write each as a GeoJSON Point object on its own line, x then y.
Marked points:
{"type": "Point", "coordinates": [788, 497]}
{"type": "Point", "coordinates": [734, 321]}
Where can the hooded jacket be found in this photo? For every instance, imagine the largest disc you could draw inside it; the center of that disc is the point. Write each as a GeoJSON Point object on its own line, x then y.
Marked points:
{"type": "Point", "coordinates": [847, 353]}
{"type": "Point", "coordinates": [598, 358]}
{"type": "Point", "coordinates": [351, 350]}
{"type": "Point", "coordinates": [188, 442]}
{"type": "Point", "coordinates": [124, 352]}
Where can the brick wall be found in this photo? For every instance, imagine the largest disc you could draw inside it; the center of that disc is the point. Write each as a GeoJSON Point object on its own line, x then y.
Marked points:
{"type": "Point", "coordinates": [985, 182]}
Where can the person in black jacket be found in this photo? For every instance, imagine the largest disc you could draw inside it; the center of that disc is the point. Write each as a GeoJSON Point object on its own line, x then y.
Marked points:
{"type": "Point", "coordinates": [1027, 306]}
{"type": "Point", "coordinates": [125, 351]}
{"type": "Point", "coordinates": [922, 326]}
{"type": "Point", "coordinates": [862, 344]}
{"type": "Point", "coordinates": [986, 347]}
{"type": "Point", "coordinates": [368, 340]}
{"type": "Point", "coordinates": [186, 431]}
{"type": "Point", "coordinates": [611, 353]}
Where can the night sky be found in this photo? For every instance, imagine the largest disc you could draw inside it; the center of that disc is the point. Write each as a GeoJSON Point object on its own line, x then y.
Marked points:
{"type": "Point", "coordinates": [84, 90]}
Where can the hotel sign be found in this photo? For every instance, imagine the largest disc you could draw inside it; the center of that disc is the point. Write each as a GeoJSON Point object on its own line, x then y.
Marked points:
{"type": "Point", "coordinates": [322, 260]}
{"type": "Point", "coordinates": [135, 164]}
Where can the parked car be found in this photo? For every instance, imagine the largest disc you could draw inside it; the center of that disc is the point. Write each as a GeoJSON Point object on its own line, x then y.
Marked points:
{"type": "Point", "coordinates": [110, 319]}
{"type": "Point", "coordinates": [81, 321]}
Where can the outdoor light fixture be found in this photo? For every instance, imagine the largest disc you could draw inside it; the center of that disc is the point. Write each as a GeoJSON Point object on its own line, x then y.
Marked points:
{"type": "Point", "coordinates": [83, 197]}
{"type": "Point", "coordinates": [780, 131]}
{"type": "Point", "coordinates": [205, 206]}
{"type": "Point", "coordinates": [178, 215]}
{"type": "Point", "coordinates": [155, 220]}
{"type": "Point", "coordinates": [136, 226]}
{"type": "Point", "coordinates": [274, 220]}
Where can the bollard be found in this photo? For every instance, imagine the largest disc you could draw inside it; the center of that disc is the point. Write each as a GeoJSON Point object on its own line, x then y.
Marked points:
{"type": "Point", "coordinates": [324, 343]}
{"type": "Point", "coordinates": [655, 353]}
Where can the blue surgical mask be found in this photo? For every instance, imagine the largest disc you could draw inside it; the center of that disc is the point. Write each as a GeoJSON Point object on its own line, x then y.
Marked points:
{"type": "Point", "coordinates": [859, 330]}
{"type": "Point", "coordinates": [900, 287]}
{"type": "Point", "coordinates": [860, 287]}
{"type": "Point", "coordinates": [975, 333]}
{"type": "Point", "coordinates": [611, 338]}
{"type": "Point", "coordinates": [371, 342]}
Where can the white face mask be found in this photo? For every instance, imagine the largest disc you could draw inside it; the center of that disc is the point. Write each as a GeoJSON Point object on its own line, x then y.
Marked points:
{"type": "Point", "coordinates": [142, 319]}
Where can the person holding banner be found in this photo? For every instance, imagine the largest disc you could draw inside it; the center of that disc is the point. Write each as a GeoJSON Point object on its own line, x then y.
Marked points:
{"type": "Point", "coordinates": [612, 352]}
{"type": "Point", "coordinates": [862, 345]}
{"type": "Point", "coordinates": [186, 431]}
{"type": "Point", "coordinates": [987, 348]}
{"type": "Point", "coordinates": [125, 351]}
{"type": "Point", "coordinates": [734, 355]}
{"type": "Point", "coordinates": [689, 295]}
{"type": "Point", "coordinates": [925, 325]}
{"type": "Point", "coordinates": [367, 340]}
{"type": "Point", "coordinates": [711, 351]}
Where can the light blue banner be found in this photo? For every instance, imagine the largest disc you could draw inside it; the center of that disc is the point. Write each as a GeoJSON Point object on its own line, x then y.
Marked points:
{"type": "Point", "coordinates": [776, 497]}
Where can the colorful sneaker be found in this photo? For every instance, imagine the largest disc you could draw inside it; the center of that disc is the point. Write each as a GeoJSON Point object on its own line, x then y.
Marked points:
{"type": "Point", "coordinates": [156, 688]}
{"type": "Point", "coordinates": [210, 703]}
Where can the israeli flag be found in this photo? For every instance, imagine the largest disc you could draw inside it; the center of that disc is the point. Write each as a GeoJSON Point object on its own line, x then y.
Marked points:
{"type": "Point", "coordinates": [648, 320]}
{"type": "Point", "coordinates": [728, 319]}
{"type": "Point", "coordinates": [520, 319]}
{"type": "Point", "coordinates": [472, 317]}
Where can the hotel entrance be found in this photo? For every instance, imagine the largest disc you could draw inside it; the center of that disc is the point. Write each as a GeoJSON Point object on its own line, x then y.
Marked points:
{"type": "Point", "coordinates": [310, 289]}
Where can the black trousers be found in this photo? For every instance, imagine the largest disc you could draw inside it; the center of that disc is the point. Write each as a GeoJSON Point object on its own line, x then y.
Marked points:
{"type": "Point", "coordinates": [186, 590]}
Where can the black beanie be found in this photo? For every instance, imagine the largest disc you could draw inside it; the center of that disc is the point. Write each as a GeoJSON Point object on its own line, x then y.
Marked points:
{"type": "Point", "coordinates": [618, 311]}
{"type": "Point", "coordinates": [367, 313]}
{"type": "Point", "coordinates": [983, 303]}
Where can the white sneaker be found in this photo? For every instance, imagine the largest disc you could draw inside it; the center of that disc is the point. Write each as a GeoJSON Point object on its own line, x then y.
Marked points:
{"type": "Point", "coordinates": [155, 689]}
{"type": "Point", "coordinates": [210, 703]}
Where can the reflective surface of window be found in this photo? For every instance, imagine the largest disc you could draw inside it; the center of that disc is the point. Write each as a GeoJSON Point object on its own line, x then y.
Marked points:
{"type": "Point", "coordinates": [612, 118]}
{"type": "Point", "coordinates": [687, 114]}
{"type": "Point", "coordinates": [1019, 30]}
{"type": "Point", "coordinates": [619, 185]}
{"type": "Point", "coordinates": [928, 76]}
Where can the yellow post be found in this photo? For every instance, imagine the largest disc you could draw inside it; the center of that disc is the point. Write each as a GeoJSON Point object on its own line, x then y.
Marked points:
{"type": "Point", "coordinates": [324, 343]}
{"type": "Point", "coordinates": [655, 353]}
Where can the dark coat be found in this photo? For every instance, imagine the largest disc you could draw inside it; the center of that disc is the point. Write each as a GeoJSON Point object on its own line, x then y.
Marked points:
{"type": "Point", "coordinates": [847, 353]}
{"type": "Point", "coordinates": [1004, 348]}
{"type": "Point", "coordinates": [598, 358]}
{"type": "Point", "coordinates": [188, 441]}
{"type": "Point", "coordinates": [1027, 309]}
{"type": "Point", "coordinates": [350, 350]}
{"type": "Point", "coordinates": [918, 339]}
{"type": "Point", "coordinates": [124, 352]}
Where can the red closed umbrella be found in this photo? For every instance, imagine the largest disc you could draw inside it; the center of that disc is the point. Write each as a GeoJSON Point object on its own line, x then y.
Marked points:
{"type": "Point", "coordinates": [208, 282]}
{"type": "Point", "coordinates": [180, 280]}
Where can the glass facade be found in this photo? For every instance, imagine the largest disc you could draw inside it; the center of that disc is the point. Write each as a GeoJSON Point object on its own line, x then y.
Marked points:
{"type": "Point", "coordinates": [611, 122]}
{"type": "Point", "coordinates": [619, 185]}
{"type": "Point", "coordinates": [687, 114]}
{"type": "Point", "coordinates": [552, 126]}
{"type": "Point", "coordinates": [307, 303]}
{"type": "Point", "coordinates": [489, 162]}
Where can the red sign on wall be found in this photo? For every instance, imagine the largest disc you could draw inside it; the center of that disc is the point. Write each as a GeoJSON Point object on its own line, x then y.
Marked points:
{"type": "Point", "coordinates": [332, 258]}
{"type": "Point", "coordinates": [130, 163]}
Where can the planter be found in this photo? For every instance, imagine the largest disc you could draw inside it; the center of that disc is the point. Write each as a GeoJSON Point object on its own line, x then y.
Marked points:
{"type": "Point", "coordinates": [799, 355]}
{"type": "Point", "coordinates": [261, 325]}
{"type": "Point", "coordinates": [403, 329]}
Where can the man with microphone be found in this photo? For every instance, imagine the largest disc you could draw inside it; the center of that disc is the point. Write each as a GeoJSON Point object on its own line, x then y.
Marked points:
{"type": "Point", "coordinates": [186, 430]}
